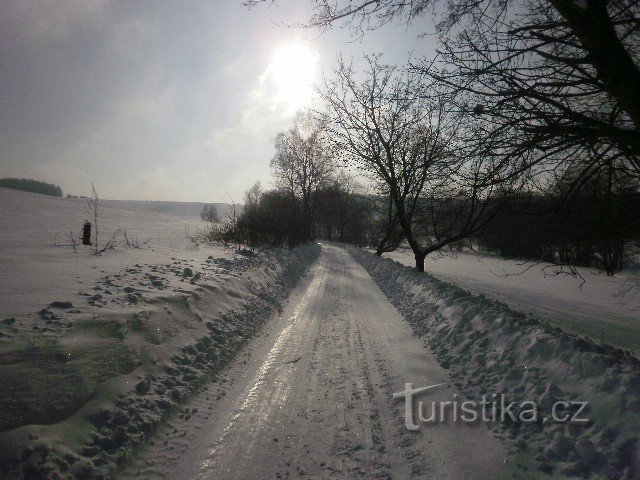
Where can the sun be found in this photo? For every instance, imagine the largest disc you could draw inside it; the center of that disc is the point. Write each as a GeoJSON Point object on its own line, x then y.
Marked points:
{"type": "Point", "coordinates": [293, 71]}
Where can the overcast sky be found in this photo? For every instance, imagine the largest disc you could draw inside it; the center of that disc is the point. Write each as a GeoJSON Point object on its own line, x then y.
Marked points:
{"type": "Point", "coordinates": [152, 100]}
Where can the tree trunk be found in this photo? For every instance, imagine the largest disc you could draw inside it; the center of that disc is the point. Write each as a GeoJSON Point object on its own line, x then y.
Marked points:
{"type": "Point", "coordinates": [383, 243]}
{"type": "Point", "coordinates": [420, 257]}
{"type": "Point", "coordinates": [307, 219]}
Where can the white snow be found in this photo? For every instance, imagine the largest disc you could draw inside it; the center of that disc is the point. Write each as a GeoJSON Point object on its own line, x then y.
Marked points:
{"type": "Point", "coordinates": [38, 265]}
{"type": "Point", "coordinates": [313, 397]}
{"type": "Point", "coordinates": [488, 348]}
{"type": "Point", "coordinates": [141, 327]}
{"type": "Point", "coordinates": [590, 305]}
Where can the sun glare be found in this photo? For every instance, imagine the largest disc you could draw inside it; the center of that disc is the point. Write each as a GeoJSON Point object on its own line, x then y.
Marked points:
{"type": "Point", "coordinates": [293, 70]}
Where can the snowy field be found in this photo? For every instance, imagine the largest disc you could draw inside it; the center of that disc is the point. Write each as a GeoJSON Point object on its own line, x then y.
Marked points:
{"type": "Point", "coordinates": [184, 210]}
{"type": "Point", "coordinates": [38, 265]}
{"type": "Point", "coordinates": [591, 305]}
{"type": "Point", "coordinates": [89, 343]}
{"type": "Point", "coordinates": [141, 346]}
{"type": "Point", "coordinates": [487, 347]}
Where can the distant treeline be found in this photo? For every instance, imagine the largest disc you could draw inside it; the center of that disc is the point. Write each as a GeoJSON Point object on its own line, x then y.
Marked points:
{"type": "Point", "coordinates": [572, 217]}
{"type": "Point", "coordinates": [29, 185]}
{"type": "Point", "coordinates": [589, 230]}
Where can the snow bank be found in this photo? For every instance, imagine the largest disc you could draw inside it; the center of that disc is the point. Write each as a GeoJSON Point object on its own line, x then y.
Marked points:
{"type": "Point", "coordinates": [489, 349]}
{"type": "Point", "coordinates": [590, 304]}
{"type": "Point", "coordinates": [174, 325]}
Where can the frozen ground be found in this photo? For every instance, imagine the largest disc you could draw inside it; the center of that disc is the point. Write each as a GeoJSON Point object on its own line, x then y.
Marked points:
{"type": "Point", "coordinates": [38, 264]}
{"type": "Point", "coordinates": [96, 351]}
{"type": "Point", "coordinates": [489, 349]}
{"type": "Point", "coordinates": [313, 398]}
{"type": "Point", "coordinates": [591, 305]}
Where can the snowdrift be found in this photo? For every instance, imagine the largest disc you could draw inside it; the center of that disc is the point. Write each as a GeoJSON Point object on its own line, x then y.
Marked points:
{"type": "Point", "coordinates": [489, 349]}
{"type": "Point", "coordinates": [590, 303]}
{"type": "Point", "coordinates": [88, 379]}
{"type": "Point", "coordinates": [97, 351]}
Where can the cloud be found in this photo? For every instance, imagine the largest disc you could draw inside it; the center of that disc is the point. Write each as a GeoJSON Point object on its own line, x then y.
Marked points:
{"type": "Point", "coordinates": [158, 102]}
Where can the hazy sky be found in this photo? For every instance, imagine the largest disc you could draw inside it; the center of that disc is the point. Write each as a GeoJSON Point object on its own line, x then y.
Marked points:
{"type": "Point", "coordinates": [170, 100]}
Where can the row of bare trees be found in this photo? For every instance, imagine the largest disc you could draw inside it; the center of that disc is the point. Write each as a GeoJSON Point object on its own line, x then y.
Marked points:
{"type": "Point", "coordinates": [597, 227]}
{"type": "Point", "coordinates": [274, 218]}
{"type": "Point", "coordinates": [400, 142]}
{"type": "Point", "coordinates": [428, 187]}
{"type": "Point", "coordinates": [302, 165]}
{"type": "Point", "coordinates": [313, 197]}
{"type": "Point", "coordinates": [523, 97]}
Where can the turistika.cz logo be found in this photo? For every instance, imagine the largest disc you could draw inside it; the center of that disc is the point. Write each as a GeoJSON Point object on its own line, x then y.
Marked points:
{"type": "Point", "coordinates": [491, 408]}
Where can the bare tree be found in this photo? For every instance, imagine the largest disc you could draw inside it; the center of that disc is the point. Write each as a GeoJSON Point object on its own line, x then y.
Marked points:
{"type": "Point", "coordinates": [302, 164]}
{"type": "Point", "coordinates": [405, 142]}
{"type": "Point", "coordinates": [538, 99]}
{"type": "Point", "coordinates": [248, 223]}
{"type": "Point", "coordinates": [209, 213]}
{"type": "Point", "coordinates": [547, 79]}
{"type": "Point", "coordinates": [93, 208]}
{"type": "Point", "coordinates": [389, 231]}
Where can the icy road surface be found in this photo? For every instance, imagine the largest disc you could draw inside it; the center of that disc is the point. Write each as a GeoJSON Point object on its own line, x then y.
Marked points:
{"type": "Point", "coordinates": [312, 397]}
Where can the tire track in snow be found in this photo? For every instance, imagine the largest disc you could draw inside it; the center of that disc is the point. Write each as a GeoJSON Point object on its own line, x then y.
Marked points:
{"type": "Point", "coordinates": [268, 392]}
{"type": "Point", "coordinates": [329, 415]}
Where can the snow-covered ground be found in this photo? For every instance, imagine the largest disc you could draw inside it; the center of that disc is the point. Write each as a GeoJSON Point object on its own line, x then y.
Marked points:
{"type": "Point", "coordinates": [97, 353]}
{"type": "Point", "coordinates": [38, 265]}
{"type": "Point", "coordinates": [589, 305]}
{"type": "Point", "coordinates": [97, 350]}
{"type": "Point", "coordinates": [313, 398]}
{"type": "Point", "coordinates": [184, 210]}
{"type": "Point", "coordinates": [487, 349]}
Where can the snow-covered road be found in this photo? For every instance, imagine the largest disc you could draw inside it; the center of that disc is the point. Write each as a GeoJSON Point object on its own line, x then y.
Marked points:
{"type": "Point", "coordinates": [312, 397]}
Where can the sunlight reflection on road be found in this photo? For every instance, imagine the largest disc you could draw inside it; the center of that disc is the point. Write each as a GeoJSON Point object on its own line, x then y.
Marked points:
{"type": "Point", "coordinates": [269, 391]}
